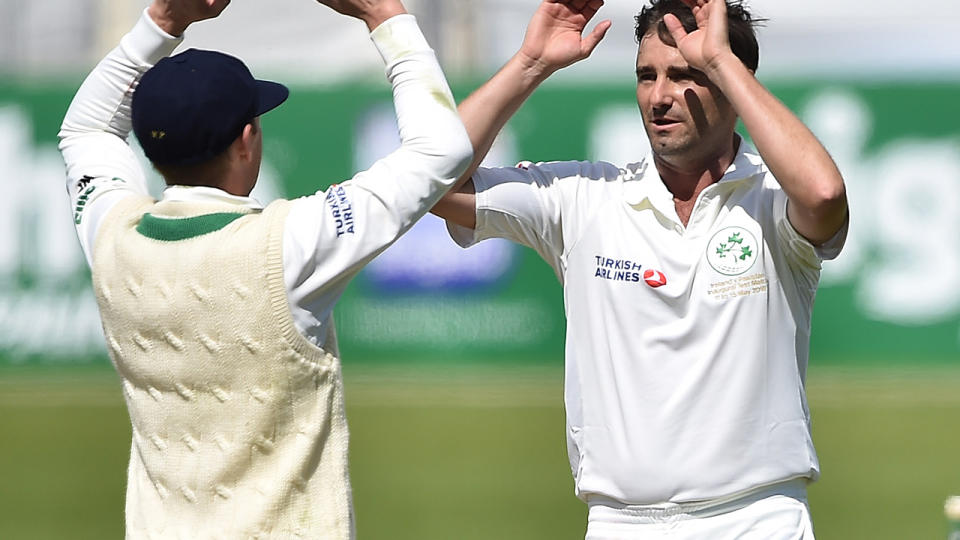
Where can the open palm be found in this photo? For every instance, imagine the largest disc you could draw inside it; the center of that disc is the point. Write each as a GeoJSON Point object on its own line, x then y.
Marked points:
{"type": "Point", "coordinates": [555, 35]}
{"type": "Point", "coordinates": [710, 41]}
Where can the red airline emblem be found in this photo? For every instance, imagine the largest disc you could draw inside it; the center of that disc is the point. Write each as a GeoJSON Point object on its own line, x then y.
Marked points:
{"type": "Point", "coordinates": [654, 278]}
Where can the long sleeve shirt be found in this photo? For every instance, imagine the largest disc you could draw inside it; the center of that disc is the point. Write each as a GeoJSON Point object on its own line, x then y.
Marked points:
{"type": "Point", "coordinates": [329, 236]}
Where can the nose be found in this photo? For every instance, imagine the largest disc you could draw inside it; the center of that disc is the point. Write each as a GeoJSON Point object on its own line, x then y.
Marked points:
{"type": "Point", "coordinates": [661, 96]}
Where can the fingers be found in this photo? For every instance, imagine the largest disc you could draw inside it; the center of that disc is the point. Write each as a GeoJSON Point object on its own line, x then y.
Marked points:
{"type": "Point", "coordinates": [674, 26]}
{"type": "Point", "coordinates": [719, 8]}
{"type": "Point", "coordinates": [217, 6]}
{"type": "Point", "coordinates": [593, 39]}
{"type": "Point", "coordinates": [576, 4]}
{"type": "Point", "coordinates": [702, 8]}
{"type": "Point", "coordinates": [591, 8]}
{"type": "Point", "coordinates": [587, 7]}
{"type": "Point", "coordinates": [698, 6]}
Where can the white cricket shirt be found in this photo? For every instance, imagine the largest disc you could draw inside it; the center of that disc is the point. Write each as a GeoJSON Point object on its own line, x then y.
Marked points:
{"type": "Point", "coordinates": [686, 347]}
{"type": "Point", "coordinates": [329, 236]}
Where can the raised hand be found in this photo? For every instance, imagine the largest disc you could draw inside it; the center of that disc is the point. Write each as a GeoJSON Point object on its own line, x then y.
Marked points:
{"type": "Point", "coordinates": [709, 44]}
{"type": "Point", "coordinates": [174, 16]}
{"type": "Point", "coordinates": [554, 36]}
{"type": "Point", "coordinates": [372, 12]}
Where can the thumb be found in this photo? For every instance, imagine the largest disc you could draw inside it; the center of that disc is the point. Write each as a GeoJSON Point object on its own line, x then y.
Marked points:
{"type": "Point", "coordinates": [675, 27]}
{"type": "Point", "coordinates": [595, 37]}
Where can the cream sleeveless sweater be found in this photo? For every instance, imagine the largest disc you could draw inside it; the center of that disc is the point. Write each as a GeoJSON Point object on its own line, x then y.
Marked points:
{"type": "Point", "coordinates": [238, 421]}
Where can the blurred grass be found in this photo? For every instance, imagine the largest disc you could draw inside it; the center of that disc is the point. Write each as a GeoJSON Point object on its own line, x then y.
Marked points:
{"type": "Point", "coordinates": [441, 453]}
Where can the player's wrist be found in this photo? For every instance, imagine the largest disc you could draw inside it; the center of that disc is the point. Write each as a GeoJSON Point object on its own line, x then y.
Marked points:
{"type": "Point", "coordinates": [166, 19]}
{"type": "Point", "coordinates": [532, 67]}
{"type": "Point", "coordinates": [723, 67]}
{"type": "Point", "coordinates": [381, 13]}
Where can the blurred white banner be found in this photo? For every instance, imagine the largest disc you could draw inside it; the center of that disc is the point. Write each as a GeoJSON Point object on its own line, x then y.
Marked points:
{"type": "Point", "coordinates": [301, 41]}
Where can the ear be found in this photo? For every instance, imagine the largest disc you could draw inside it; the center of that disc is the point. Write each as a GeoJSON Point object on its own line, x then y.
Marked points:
{"type": "Point", "coordinates": [244, 144]}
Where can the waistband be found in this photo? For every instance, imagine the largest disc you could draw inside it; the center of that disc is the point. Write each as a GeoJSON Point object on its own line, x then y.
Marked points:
{"type": "Point", "coordinates": [605, 509]}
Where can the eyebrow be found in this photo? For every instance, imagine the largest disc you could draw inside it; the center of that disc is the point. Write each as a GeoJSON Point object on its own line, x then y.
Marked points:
{"type": "Point", "coordinates": [672, 70]}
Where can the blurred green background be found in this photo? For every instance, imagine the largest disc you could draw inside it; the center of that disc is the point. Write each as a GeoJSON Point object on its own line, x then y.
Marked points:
{"type": "Point", "coordinates": [453, 359]}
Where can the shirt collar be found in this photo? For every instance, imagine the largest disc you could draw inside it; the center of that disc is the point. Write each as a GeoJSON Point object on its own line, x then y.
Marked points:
{"type": "Point", "coordinates": [746, 164]}
{"type": "Point", "coordinates": [643, 186]}
{"type": "Point", "coordinates": [208, 194]}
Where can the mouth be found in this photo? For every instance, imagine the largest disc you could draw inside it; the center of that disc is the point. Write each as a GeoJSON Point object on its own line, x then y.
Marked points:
{"type": "Point", "coordinates": [664, 123]}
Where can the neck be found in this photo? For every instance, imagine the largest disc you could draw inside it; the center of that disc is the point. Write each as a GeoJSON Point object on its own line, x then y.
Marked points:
{"type": "Point", "coordinates": [686, 177]}
{"type": "Point", "coordinates": [232, 190]}
{"type": "Point", "coordinates": [240, 190]}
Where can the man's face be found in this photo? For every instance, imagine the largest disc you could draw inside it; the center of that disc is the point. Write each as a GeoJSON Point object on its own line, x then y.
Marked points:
{"type": "Point", "coordinates": [686, 117]}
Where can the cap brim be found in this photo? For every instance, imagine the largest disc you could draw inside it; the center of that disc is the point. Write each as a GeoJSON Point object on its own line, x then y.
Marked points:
{"type": "Point", "coordinates": [271, 95]}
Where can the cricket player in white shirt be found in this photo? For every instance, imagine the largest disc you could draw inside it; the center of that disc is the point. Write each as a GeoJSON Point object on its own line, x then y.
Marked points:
{"type": "Point", "coordinates": [218, 311]}
{"type": "Point", "coordinates": [689, 276]}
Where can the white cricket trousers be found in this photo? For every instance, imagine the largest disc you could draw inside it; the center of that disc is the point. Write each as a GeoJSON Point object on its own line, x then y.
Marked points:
{"type": "Point", "coordinates": [776, 512]}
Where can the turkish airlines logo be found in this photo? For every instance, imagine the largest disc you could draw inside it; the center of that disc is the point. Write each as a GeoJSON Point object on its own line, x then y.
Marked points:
{"type": "Point", "coordinates": [627, 270]}
{"type": "Point", "coordinates": [654, 278]}
{"type": "Point", "coordinates": [342, 209]}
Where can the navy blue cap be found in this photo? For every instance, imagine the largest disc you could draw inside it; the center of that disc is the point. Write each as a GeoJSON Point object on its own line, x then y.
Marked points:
{"type": "Point", "coordinates": [190, 107]}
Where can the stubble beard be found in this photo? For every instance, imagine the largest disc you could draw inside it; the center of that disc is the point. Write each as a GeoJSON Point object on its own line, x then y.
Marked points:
{"type": "Point", "coordinates": [673, 146]}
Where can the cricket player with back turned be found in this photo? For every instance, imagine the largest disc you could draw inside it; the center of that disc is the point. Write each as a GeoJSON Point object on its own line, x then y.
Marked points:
{"type": "Point", "coordinates": [217, 311]}
{"type": "Point", "coordinates": [689, 276]}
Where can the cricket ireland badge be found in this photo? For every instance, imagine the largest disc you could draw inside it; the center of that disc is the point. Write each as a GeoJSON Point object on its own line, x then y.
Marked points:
{"type": "Point", "coordinates": [732, 251]}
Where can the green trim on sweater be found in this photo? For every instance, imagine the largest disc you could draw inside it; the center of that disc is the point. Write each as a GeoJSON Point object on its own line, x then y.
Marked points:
{"type": "Point", "coordinates": [174, 229]}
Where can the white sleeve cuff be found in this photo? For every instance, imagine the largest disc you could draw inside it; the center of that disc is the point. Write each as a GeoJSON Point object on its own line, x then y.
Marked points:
{"type": "Point", "coordinates": [146, 44]}
{"type": "Point", "coordinates": [830, 249]}
{"type": "Point", "coordinates": [463, 236]}
{"type": "Point", "coordinates": [799, 245]}
{"type": "Point", "coordinates": [397, 37]}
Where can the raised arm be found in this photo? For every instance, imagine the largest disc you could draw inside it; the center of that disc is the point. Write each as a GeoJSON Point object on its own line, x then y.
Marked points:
{"type": "Point", "coordinates": [101, 105]}
{"type": "Point", "coordinates": [434, 149]}
{"type": "Point", "coordinates": [101, 167]}
{"type": "Point", "coordinates": [554, 40]}
{"type": "Point", "coordinates": [329, 236]}
{"type": "Point", "coordinates": [372, 12]}
{"type": "Point", "coordinates": [817, 205]}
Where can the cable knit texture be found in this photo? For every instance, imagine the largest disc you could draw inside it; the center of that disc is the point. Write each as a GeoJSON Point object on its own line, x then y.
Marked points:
{"type": "Point", "coordinates": [238, 422]}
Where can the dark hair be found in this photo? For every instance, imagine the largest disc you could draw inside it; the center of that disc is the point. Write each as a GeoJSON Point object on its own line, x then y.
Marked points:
{"type": "Point", "coordinates": [743, 39]}
{"type": "Point", "coordinates": [198, 174]}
